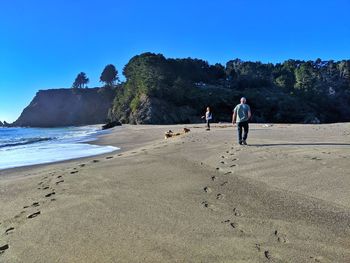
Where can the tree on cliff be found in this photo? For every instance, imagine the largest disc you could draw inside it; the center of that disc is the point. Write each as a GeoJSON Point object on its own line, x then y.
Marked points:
{"type": "Point", "coordinates": [320, 90]}
{"type": "Point", "coordinates": [109, 75]}
{"type": "Point", "coordinates": [80, 81]}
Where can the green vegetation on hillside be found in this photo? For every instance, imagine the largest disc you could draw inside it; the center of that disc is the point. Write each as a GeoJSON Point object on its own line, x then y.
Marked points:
{"type": "Point", "coordinates": [292, 91]}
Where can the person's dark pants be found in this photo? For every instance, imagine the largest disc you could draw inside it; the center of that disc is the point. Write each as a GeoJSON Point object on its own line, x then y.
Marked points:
{"type": "Point", "coordinates": [242, 125]}
{"type": "Point", "coordinates": [208, 124]}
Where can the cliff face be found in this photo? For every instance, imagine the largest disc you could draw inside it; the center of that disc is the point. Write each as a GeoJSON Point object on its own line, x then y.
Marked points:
{"type": "Point", "coordinates": [67, 107]}
{"type": "Point", "coordinates": [156, 111]}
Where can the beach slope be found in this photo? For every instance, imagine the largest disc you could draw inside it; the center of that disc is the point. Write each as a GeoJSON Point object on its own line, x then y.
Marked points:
{"type": "Point", "coordinates": [198, 197]}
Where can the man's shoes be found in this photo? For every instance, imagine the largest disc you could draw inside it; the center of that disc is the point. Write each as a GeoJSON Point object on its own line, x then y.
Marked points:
{"type": "Point", "coordinates": [244, 142]}
{"type": "Point", "coordinates": [240, 142]}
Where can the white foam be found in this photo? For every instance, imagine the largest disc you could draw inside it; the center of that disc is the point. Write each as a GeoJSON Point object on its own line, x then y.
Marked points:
{"type": "Point", "coordinates": [64, 144]}
{"type": "Point", "coordinates": [47, 153]}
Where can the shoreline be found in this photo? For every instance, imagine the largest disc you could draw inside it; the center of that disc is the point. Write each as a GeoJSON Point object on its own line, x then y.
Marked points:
{"type": "Point", "coordinates": [99, 140]}
{"type": "Point", "coordinates": [197, 197]}
{"type": "Point", "coordinates": [88, 140]}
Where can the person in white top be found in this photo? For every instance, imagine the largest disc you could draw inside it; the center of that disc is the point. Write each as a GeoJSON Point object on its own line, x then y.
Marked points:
{"type": "Point", "coordinates": [208, 117]}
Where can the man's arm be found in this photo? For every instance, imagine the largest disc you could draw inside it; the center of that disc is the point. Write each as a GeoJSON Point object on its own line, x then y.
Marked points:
{"type": "Point", "coordinates": [249, 115]}
{"type": "Point", "coordinates": [234, 116]}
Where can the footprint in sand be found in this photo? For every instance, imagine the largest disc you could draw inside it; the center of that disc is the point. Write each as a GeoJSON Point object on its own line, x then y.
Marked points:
{"type": "Point", "coordinates": [222, 162]}
{"type": "Point", "coordinates": [233, 225]}
{"type": "Point", "coordinates": [19, 215]}
{"type": "Point", "coordinates": [58, 182]}
{"type": "Point", "coordinates": [95, 161]}
{"type": "Point", "coordinates": [213, 178]}
{"type": "Point", "coordinates": [267, 254]}
{"type": "Point", "coordinates": [205, 204]}
{"type": "Point", "coordinates": [60, 176]}
{"type": "Point", "coordinates": [34, 215]}
{"type": "Point", "coordinates": [9, 230]}
{"type": "Point", "coordinates": [229, 172]}
{"type": "Point", "coordinates": [316, 259]}
{"type": "Point", "coordinates": [82, 165]}
{"type": "Point", "coordinates": [109, 157]}
{"type": "Point", "coordinates": [219, 196]}
{"type": "Point", "coordinates": [280, 237]}
{"type": "Point", "coordinates": [50, 194]}
{"type": "Point", "coordinates": [316, 158]}
{"type": "Point", "coordinates": [258, 247]}
{"type": "Point", "coordinates": [46, 187]}
{"type": "Point", "coordinates": [236, 212]}
{"type": "Point", "coordinates": [207, 189]}
{"type": "Point", "coordinates": [35, 204]}
{"type": "Point", "coordinates": [120, 154]}
{"type": "Point", "coordinates": [224, 183]}
{"type": "Point", "coordinates": [232, 165]}
{"type": "Point", "coordinates": [73, 172]}
{"type": "Point", "coordinates": [3, 248]}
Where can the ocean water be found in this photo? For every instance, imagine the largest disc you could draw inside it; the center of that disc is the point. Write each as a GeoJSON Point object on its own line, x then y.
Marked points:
{"type": "Point", "coordinates": [29, 146]}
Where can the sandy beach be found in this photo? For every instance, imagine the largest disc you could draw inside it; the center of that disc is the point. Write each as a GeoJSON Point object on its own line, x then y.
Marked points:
{"type": "Point", "coordinates": [198, 197]}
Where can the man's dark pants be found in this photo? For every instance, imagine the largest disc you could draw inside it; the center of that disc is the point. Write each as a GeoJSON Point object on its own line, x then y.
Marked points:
{"type": "Point", "coordinates": [208, 124]}
{"type": "Point", "coordinates": [242, 125]}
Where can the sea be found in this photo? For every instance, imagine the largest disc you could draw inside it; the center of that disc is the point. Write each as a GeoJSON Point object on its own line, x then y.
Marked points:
{"type": "Point", "coordinates": [30, 146]}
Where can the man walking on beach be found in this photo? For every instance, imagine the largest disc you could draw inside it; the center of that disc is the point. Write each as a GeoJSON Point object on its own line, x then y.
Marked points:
{"type": "Point", "coordinates": [241, 116]}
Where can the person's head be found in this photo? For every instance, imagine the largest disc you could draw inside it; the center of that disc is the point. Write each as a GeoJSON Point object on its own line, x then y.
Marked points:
{"type": "Point", "coordinates": [243, 100]}
{"type": "Point", "coordinates": [208, 108]}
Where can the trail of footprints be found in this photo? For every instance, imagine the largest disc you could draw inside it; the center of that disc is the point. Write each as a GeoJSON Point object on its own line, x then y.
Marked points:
{"type": "Point", "coordinates": [227, 163]}
{"type": "Point", "coordinates": [47, 184]}
{"type": "Point", "coordinates": [31, 211]}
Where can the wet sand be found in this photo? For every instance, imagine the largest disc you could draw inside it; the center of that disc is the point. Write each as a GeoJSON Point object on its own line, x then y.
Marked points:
{"type": "Point", "coordinates": [198, 197]}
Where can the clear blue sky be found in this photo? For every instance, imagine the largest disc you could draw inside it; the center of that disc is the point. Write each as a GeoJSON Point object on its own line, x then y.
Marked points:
{"type": "Point", "coordinates": [44, 44]}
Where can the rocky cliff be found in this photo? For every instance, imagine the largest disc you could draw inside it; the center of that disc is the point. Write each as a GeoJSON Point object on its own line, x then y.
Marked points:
{"type": "Point", "coordinates": [156, 111]}
{"type": "Point", "coordinates": [67, 107]}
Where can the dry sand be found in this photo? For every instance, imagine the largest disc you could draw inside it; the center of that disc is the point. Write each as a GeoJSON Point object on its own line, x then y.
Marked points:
{"type": "Point", "coordinates": [199, 197]}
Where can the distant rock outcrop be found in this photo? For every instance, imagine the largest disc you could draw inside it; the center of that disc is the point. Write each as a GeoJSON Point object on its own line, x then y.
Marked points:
{"type": "Point", "coordinates": [1, 124]}
{"type": "Point", "coordinates": [67, 107]}
{"type": "Point", "coordinates": [156, 111]}
{"type": "Point", "coordinates": [6, 124]}
{"type": "Point", "coordinates": [111, 124]}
